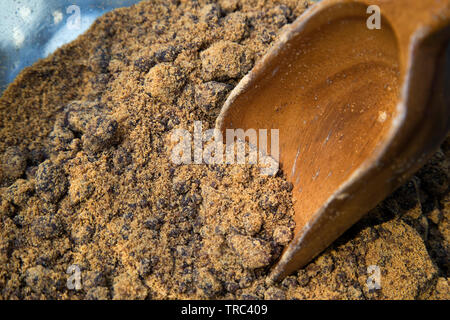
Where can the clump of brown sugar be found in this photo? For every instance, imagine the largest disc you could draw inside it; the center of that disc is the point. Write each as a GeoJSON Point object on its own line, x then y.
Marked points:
{"type": "Point", "coordinates": [86, 177]}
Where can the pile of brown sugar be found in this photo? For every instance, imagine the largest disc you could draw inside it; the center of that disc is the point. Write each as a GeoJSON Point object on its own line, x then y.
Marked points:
{"type": "Point", "coordinates": [86, 177]}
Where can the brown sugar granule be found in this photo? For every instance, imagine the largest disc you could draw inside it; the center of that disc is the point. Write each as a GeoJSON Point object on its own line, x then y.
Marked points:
{"type": "Point", "coordinates": [252, 252]}
{"type": "Point", "coordinates": [86, 177]}
{"type": "Point", "coordinates": [225, 60]}
{"type": "Point", "coordinates": [51, 181]}
{"type": "Point", "coordinates": [236, 26]}
{"type": "Point", "coordinates": [14, 163]}
{"type": "Point", "coordinates": [209, 96]}
{"type": "Point", "coordinates": [164, 81]}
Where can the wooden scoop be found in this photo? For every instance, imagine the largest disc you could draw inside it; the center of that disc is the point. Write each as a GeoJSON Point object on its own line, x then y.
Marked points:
{"type": "Point", "coordinates": [358, 110]}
